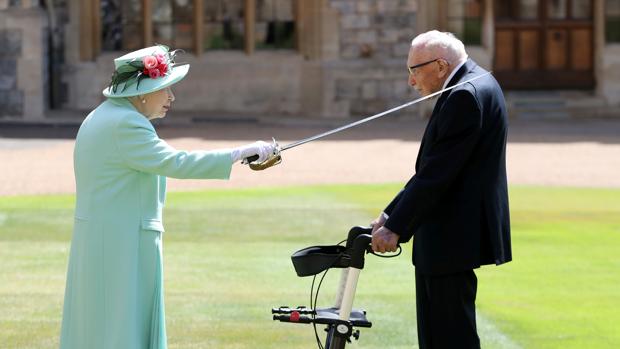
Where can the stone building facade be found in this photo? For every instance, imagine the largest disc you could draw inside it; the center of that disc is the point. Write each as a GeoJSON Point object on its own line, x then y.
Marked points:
{"type": "Point", "coordinates": [24, 88]}
{"type": "Point", "coordinates": [309, 58]}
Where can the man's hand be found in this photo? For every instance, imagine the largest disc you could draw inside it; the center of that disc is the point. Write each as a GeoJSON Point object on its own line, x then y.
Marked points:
{"type": "Point", "coordinates": [378, 223]}
{"type": "Point", "coordinates": [384, 240]}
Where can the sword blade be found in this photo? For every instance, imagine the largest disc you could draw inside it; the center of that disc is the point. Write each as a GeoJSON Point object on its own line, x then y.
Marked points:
{"type": "Point", "coordinates": [376, 116]}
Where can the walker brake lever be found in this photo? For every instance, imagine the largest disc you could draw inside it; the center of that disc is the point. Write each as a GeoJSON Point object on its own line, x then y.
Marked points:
{"type": "Point", "coordinates": [394, 254]}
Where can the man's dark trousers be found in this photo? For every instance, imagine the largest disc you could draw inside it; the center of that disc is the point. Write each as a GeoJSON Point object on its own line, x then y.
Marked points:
{"type": "Point", "coordinates": [446, 310]}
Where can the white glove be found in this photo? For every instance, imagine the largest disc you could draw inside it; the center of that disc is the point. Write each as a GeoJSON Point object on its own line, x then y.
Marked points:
{"type": "Point", "coordinates": [263, 149]}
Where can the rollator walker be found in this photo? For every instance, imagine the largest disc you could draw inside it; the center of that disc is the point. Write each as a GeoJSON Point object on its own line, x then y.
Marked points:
{"type": "Point", "coordinates": [341, 320]}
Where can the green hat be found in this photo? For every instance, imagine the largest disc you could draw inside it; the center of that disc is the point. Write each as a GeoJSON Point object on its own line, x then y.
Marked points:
{"type": "Point", "coordinates": [147, 70]}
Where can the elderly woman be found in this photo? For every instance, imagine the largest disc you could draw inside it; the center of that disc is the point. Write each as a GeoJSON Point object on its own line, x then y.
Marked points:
{"type": "Point", "coordinates": [114, 292]}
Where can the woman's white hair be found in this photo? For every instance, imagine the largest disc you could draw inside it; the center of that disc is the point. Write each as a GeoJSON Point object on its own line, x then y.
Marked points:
{"type": "Point", "coordinates": [443, 44]}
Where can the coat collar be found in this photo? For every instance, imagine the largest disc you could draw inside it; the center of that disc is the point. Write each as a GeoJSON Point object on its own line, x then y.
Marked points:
{"type": "Point", "coordinates": [458, 76]}
{"type": "Point", "coordinates": [463, 70]}
{"type": "Point", "coordinates": [122, 102]}
{"type": "Point", "coordinates": [452, 73]}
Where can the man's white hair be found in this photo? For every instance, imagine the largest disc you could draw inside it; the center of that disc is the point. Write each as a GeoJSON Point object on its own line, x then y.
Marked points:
{"type": "Point", "coordinates": [443, 44]}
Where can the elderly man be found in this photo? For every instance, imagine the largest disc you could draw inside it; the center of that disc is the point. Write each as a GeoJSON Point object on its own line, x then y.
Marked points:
{"type": "Point", "coordinates": [456, 204]}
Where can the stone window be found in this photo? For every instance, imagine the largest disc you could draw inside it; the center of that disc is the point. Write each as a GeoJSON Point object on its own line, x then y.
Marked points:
{"type": "Point", "coordinates": [224, 24]}
{"type": "Point", "coordinates": [121, 25]}
{"type": "Point", "coordinates": [193, 25]}
{"type": "Point", "coordinates": [275, 24]}
{"type": "Point", "coordinates": [464, 19]}
{"type": "Point", "coordinates": [581, 9]}
{"type": "Point", "coordinates": [173, 23]}
{"type": "Point", "coordinates": [612, 22]}
{"type": "Point", "coordinates": [573, 9]}
{"type": "Point", "coordinates": [522, 10]}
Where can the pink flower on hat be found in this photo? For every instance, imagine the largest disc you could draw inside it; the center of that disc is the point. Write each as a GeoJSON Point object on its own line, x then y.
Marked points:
{"type": "Point", "coordinates": [155, 65]}
{"type": "Point", "coordinates": [161, 58]}
{"type": "Point", "coordinates": [163, 68]}
{"type": "Point", "coordinates": [154, 73]}
{"type": "Point", "coordinates": [150, 62]}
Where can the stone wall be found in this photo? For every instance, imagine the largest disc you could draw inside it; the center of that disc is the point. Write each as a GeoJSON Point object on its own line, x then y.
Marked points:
{"type": "Point", "coordinates": [351, 63]}
{"type": "Point", "coordinates": [375, 37]}
{"type": "Point", "coordinates": [609, 79]}
{"type": "Point", "coordinates": [229, 82]}
{"type": "Point", "coordinates": [11, 97]}
{"type": "Point", "coordinates": [23, 61]}
{"type": "Point", "coordinates": [358, 67]}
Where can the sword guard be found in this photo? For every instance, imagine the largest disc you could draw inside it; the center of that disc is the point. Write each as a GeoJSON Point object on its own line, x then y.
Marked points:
{"type": "Point", "coordinates": [273, 160]}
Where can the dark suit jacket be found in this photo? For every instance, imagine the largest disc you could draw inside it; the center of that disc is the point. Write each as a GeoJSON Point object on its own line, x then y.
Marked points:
{"type": "Point", "coordinates": [456, 204]}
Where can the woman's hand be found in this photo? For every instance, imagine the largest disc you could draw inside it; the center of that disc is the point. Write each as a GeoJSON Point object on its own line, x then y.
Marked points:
{"type": "Point", "coordinates": [263, 149]}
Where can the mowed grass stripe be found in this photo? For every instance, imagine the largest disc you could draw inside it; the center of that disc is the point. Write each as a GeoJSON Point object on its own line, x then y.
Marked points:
{"type": "Point", "coordinates": [227, 263]}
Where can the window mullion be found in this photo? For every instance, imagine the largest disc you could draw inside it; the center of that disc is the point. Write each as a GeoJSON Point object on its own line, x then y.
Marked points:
{"type": "Point", "coordinates": [442, 13]}
{"type": "Point", "coordinates": [88, 30]}
{"type": "Point", "coordinates": [198, 27]}
{"type": "Point", "coordinates": [97, 32]}
{"type": "Point", "coordinates": [250, 21]}
{"type": "Point", "coordinates": [299, 19]}
{"type": "Point", "coordinates": [147, 22]}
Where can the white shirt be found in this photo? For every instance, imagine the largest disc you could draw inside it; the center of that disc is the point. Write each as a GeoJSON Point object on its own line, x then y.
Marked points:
{"type": "Point", "coordinates": [445, 83]}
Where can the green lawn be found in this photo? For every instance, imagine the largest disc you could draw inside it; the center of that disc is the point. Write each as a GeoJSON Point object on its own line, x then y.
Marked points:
{"type": "Point", "coordinates": [226, 255]}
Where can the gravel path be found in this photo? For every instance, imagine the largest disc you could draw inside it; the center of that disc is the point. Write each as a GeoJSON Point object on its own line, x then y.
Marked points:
{"type": "Point", "coordinates": [38, 160]}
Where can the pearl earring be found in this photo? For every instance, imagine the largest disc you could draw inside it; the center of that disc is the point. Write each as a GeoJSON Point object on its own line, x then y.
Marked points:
{"type": "Point", "coordinates": [143, 101]}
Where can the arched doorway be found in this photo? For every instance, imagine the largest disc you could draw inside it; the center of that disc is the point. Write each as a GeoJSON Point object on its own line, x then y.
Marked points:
{"type": "Point", "coordinates": [544, 44]}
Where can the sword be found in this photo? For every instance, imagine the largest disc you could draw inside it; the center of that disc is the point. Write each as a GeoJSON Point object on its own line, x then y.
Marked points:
{"type": "Point", "coordinates": [276, 157]}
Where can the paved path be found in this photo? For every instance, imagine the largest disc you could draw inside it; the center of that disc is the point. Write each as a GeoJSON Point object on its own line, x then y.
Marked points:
{"type": "Point", "coordinates": [38, 160]}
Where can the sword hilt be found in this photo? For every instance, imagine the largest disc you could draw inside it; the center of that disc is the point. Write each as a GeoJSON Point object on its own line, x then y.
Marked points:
{"type": "Point", "coordinates": [273, 160]}
{"type": "Point", "coordinates": [251, 159]}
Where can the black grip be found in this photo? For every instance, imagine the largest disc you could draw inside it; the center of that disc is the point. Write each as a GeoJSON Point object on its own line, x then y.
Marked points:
{"type": "Point", "coordinates": [355, 232]}
{"type": "Point", "coordinates": [251, 158]}
{"type": "Point", "coordinates": [360, 244]}
{"type": "Point", "coordinates": [302, 319]}
{"type": "Point", "coordinates": [286, 310]}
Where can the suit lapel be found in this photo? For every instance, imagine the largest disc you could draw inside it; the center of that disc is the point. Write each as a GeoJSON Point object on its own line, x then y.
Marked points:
{"type": "Point", "coordinates": [463, 70]}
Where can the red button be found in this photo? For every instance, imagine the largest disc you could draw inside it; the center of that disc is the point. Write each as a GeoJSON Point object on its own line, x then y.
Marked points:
{"type": "Point", "coordinates": [295, 316]}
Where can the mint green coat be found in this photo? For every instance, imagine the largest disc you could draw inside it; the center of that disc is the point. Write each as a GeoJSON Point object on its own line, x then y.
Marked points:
{"type": "Point", "coordinates": [114, 292]}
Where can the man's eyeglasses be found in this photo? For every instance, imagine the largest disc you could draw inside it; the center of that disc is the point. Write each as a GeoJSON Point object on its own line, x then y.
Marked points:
{"type": "Point", "coordinates": [413, 68]}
